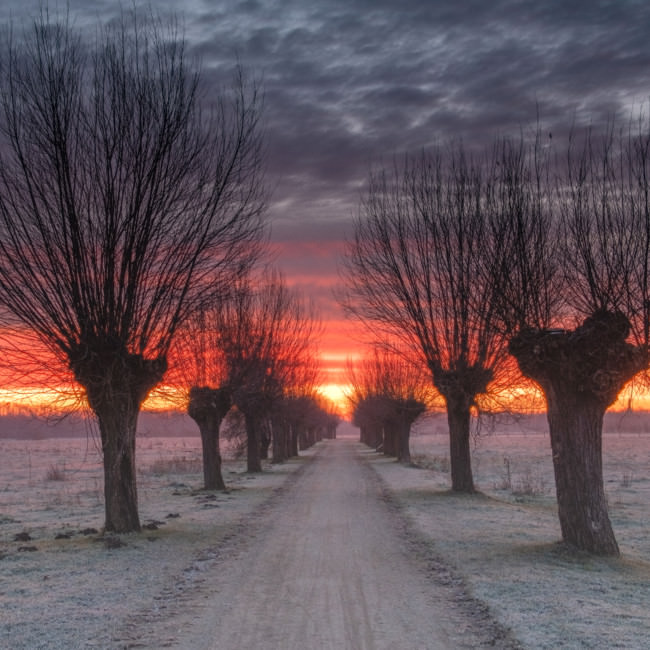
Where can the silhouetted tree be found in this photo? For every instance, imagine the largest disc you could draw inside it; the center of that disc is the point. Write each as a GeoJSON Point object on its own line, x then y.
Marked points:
{"type": "Point", "coordinates": [388, 394]}
{"type": "Point", "coordinates": [299, 385]}
{"type": "Point", "coordinates": [367, 414]}
{"type": "Point", "coordinates": [296, 415]}
{"type": "Point", "coordinates": [200, 368]}
{"type": "Point", "coordinates": [413, 274]}
{"type": "Point", "coordinates": [122, 204]}
{"type": "Point", "coordinates": [208, 407]}
{"type": "Point", "coordinates": [268, 330]}
{"type": "Point", "coordinates": [314, 420]}
{"type": "Point", "coordinates": [331, 418]}
{"type": "Point", "coordinates": [575, 299]}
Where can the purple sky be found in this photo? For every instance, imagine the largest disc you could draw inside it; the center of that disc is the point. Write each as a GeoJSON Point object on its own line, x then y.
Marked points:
{"type": "Point", "coordinates": [351, 83]}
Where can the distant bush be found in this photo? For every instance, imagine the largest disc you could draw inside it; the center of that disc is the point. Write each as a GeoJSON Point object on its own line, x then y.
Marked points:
{"type": "Point", "coordinates": [176, 465]}
{"type": "Point", "coordinates": [530, 485]}
{"type": "Point", "coordinates": [436, 463]}
{"type": "Point", "coordinates": [55, 473]}
{"type": "Point", "coordinates": [526, 484]}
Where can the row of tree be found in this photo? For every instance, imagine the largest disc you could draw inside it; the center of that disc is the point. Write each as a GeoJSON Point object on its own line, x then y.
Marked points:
{"type": "Point", "coordinates": [128, 212]}
{"type": "Point", "coordinates": [131, 217]}
{"type": "Point", "coordinates": [253, 349]}
{"type": "Point", "coordinates": [524, 251]}
{"type": "Point", "coordinates": [387, 393]}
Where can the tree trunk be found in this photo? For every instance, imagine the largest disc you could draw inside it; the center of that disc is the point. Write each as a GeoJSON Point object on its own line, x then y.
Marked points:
{"type": "Point", "coordinates": [117, 427]}
{"type": "Point", "coordinates": [305, 438]}
{"type": "Point", "coordinates": [376, 437]}
{"type": "Point", "coordinates": [301, 436]}
{"type": "Point", "coordinates": [280, 446]}
{"type": "Point", "coordinates": [576, 426]}
{"type": "Point", "coordinates": [390, 438]}
{"type": "Point", "coordinates": [265, 439]}
{"type": "Point", "coordinates": [293, 441]}
{"type": "Point", "coordinates": [408, 412]}
{"type": "Point", "coordinates": [460, 455]}
{"type": "Point", "coordinates": [459, 387]}
{"type": "Point", "coordinates": [286, 426]}
{"type": "Point", "coordinates": [212, 476]}
{"type": "Point", "coordinates": [403, 439]}
{"type": "Point", "coordinates": [116, 383]}
{"type": "Point", "coordinates": [581, 373]}
{"type": "Point", "coordinates": [208, 407]}
{"type": "Point", "coordinates": [253, 460]}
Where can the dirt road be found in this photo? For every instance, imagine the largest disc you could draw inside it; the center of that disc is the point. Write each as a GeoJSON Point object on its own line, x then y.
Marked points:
{"type": "Point", "coordinates": [330, 564]}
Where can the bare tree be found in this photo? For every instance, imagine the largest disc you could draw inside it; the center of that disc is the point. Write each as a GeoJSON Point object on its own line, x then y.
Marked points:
{"type": "Point", "coordinates": [413, 274]}
{"type": "Point", "coordinates": [576, 301]}
{"type": "Point", "coordinates": [408, 396]}
{"type": "Point", "coordinates": [267, 331]}
{"type": "Point", "coordinates": [367, 408]}
{"type": "Point", "coordinates": [293, 415]}
{"type": "Point", "coordinates": [287, 414]}
{"type": "Point", "coordinates": [198, 360]}
{"type": "Point", "coordinates": [313, 420]}
{"type": "Point", "coordinates": [122, 203]}
{"type": "Point", "coordinates": [389, 392]}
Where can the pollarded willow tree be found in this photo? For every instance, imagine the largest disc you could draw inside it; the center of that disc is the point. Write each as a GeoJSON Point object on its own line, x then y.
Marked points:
{"type": "Point", "coordinates": [267, 333]}
{"type": "Point", "coordinates": [199, 365]}
{"type": "Point", "coordinates": [290, 414]}
{"type": "Point", "coordinates": [122, 203]}
{"type": "Point", "coordinates": [316, 420]}
{"type": "Point", "coordinates": [388, 393]}
{"type": "Point", "coordinates": [576, 299]}
{"type": "Point", "coordinates": [413, 274]}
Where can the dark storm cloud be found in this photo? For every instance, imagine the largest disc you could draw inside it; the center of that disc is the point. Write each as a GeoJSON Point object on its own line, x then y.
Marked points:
{"type": "Point", "coordinates": [351, 83]}
{"type": "Point", "coordinates": [348, 83]}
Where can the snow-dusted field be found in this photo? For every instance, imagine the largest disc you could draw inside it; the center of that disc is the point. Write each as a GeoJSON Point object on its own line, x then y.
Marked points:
{"type": "Point", "coordinates": [66, 586]}
{"type": "Point", "coordinates": [504, 542]}
{"type": "Point", "coordinates": [81, 590]}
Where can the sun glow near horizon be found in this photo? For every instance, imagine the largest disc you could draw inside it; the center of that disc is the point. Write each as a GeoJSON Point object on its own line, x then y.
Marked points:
{"type": "Point", "coordinates": [335, 387]}
{"type": "Point", "coordinates": [337, 394]}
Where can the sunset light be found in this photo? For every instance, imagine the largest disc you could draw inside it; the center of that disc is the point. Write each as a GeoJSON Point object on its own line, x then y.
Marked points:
{"type": "Point", "coordinates": [324, 324]}
{"type": "Point", "coordinates": [336, 393]}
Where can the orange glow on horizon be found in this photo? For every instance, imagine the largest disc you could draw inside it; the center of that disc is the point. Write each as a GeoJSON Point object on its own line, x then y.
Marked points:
{"type": "Point", "coordinates": [39, 400]}
{"type": "Point", "coordinates": [335, 393]}
{"type": "Point", "coordinates": [36, 399]}
{"type": "Point", "coordinates": [339, 343]}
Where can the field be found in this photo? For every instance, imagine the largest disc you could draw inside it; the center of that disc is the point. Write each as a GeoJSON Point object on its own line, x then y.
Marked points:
{"type": "Point", "coordinates": [503, 543]}
{"type": "Point", "coordinates": [65, 586]}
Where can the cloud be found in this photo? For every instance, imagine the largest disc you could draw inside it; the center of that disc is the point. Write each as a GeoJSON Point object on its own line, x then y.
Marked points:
{"type": "Point", "coordinates": [349, 83]}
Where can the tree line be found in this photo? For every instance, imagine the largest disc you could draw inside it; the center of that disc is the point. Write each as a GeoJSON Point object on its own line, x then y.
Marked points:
{"type": "Point", "coordinates": [131, 225]}
{"type": "Point", "coordinates": [527, 258]}
{"type": "Point", "coordinates": [253, 349]}
{"type": "Point", "coordinates": [387, 393]}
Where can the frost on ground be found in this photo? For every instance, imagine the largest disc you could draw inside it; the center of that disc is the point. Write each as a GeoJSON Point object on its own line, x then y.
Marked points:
{"type": "Point", "coordinates": [329, 566]}
{"type": "Point", "coordinates": [504, 541]}
{"type": "Point", "coordinates": [64, 586]}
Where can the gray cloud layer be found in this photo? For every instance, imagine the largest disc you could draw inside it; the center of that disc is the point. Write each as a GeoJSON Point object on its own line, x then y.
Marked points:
{"type": "Point", "coordinates": [348, 83]}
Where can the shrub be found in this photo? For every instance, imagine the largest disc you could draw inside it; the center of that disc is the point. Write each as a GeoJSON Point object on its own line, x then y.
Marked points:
{"type": "Point", "coordinates": [55, 473]}
{"type": "Point", "coordinates": [176, 465]}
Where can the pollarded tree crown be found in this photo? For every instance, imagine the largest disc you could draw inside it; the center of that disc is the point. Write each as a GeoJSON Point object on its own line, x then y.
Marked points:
{"type": "Point", "coordinates": [595, 360]}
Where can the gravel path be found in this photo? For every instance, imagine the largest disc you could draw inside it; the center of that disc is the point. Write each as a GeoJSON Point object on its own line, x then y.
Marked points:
{"type": "Point", "coordinates": [328, 563]}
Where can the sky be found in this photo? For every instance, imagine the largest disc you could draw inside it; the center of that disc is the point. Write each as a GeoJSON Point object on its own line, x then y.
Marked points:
{"type": "Point", "coordinates": [351, 84]}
